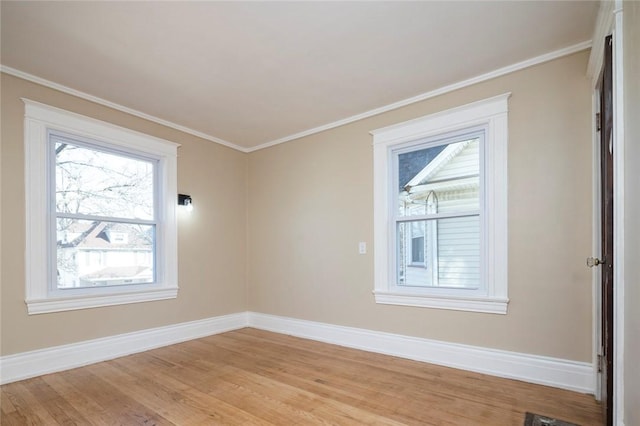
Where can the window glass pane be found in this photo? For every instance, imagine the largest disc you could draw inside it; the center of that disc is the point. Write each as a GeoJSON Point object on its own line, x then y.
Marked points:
{"type": "Point", "coordinates": [97, 183]}
{"type": "Point", "coordinates": [417, 249]}
{"type": "Point", "coordinates": [450, 253]}
{"type": "Point", "coordinates": [440, 179]}
{"type": "Point", "coordinates": [94, 253]}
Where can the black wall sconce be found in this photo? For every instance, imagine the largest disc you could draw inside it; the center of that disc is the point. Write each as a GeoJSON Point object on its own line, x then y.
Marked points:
{"type": "Point", "coordinates": [185, 201]}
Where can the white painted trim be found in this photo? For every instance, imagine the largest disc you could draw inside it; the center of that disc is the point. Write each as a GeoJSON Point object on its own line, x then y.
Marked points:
{"type": "Point", "coordinates": [470, 304]}
{"type": "Point", "coordinates": [61, 119]}
{"type": "Point", "coordinates": [560, 373]}
{"type": "Point", "coordinates": [491, 114]}
{"type": "Point", "coordinates": [596, 242]}
{"type": "Point", "coordinates": [555, 372]}
{"type": "Point", "coordinates": [604, 23]}
{"type": "Point", "coordinates": [610, 21]}
{"type": "Point", "coordinates": [44, 361]}
{"type": "Point", "coordinates": [443, 121]}
{"type": "Point", "coordinates": [91, 98]}
{"type": "Point", "coordinates": [432, 94]}
{"type": "Point", "coordinates": [618, 209]}
{"type": "Point", "coordinates": [39, 119]}
{"type": "Point", "coordinates": [43, 306]}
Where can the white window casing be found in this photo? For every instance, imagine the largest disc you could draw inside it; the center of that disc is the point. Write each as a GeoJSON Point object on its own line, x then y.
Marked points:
{"type": "Point", "coordinates": [41, 293]}
{"type": "Point", "coordinates": [491, 116]}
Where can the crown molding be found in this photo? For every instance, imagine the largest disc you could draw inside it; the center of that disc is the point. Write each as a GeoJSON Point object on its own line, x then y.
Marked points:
{"type": "Point", "coordinates": [91, 98]}
{"type": "Point", "coordinates": [424, 96]}
{"type": "Point", "coordinates": [432, 94]}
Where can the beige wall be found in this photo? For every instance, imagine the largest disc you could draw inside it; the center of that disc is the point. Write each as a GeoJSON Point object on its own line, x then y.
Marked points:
{"type": "Point", "coordinates": [631, 69]}
{"type": "Point", "coordinates": [310, 203]}
{"type": "Point", "coordinates": [211, 241]}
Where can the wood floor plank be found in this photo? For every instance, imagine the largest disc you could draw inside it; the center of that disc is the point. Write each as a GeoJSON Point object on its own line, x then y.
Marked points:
{"type": "Point", "coordinates": [459, 384]}
{"type": "Point", "coordinates": [33, 412]}
{"type": "Point", "coordinates": [305, 405]}
{"type": "Point", "coordinates": [89, 408]}
{"type": "Point", "coordinates": [6, 406]}
{"type": "Point", "coordinates": [178, 379]}
{"type": "Point", "coordinates": [55, 404]}
{"type": "Point", "coordinates": [361, 377]}
{"type": "Point", "coordinates": [254, 377]}
{"type": "Point", "coordinates": [124, 410]}
{"type": "Point", "coordinates": [377, 399]}
{"type": "Point", "coordinates": [166, 402]}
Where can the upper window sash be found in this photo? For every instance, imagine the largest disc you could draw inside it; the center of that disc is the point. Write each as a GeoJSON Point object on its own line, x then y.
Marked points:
{"type": "Point", "coordinates": [439, 140]}
{"type": "Point", "coordinates": [54, 137]}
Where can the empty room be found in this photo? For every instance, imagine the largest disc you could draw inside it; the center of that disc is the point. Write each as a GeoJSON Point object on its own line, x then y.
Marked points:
{"type": "Point", "coordinates": [292, 213]}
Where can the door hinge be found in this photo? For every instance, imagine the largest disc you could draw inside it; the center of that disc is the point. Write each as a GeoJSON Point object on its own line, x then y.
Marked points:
{"type": "Point", "coordinates": [598, 124]}
{"type": "Point", "coordinates": [600, 363]}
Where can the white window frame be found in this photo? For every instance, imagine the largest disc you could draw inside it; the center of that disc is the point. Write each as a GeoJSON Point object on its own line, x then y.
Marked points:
{"type": "Point", "coordinates": [430, 217]}
{"type": "Point", "coordinates": [492, 115]}
{"type": "Point", "coordinates": [41, 295]}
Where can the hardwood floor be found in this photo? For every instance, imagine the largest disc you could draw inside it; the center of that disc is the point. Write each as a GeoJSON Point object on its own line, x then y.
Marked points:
{"type": "Point", "coordinates": [253, 377]}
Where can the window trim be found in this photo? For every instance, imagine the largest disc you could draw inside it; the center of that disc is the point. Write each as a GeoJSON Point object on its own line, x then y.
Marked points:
{"type": "Point", "coordinates": [40, 120]}
{"type": "Point", "coordinates": [492, 114]}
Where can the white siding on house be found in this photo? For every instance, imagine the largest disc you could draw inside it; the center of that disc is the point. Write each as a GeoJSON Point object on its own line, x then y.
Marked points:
{"type": "Point", "coordinates": [456, 201]}
{"type": "Point", "coordinates": [455, 183]}
{"type": "Point", "coordinates": [459, 238]}
{"type": "Point", "coordinates": [452, 246]}
{"type": "Point", "coordinates": [417, 276]}
{"type": "Point", "coordinates": [459, 252]}
{"type": "Point", "coordinates": [463, 164]}
{"type": "Point", "coordinates": [458, 256]}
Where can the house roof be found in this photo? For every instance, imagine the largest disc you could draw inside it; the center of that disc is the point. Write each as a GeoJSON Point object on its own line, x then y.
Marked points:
{"type": "Point", "coordinates": [426, 179]}
{"type": "Point", "coordinates": [101, 235]}
{"type": "Point", "coordinates": [412, 163]}
{"type": "Point", "coordinates": [119, 272]}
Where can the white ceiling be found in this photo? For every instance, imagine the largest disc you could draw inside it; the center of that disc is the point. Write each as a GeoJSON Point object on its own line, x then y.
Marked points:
{"type": "Point", "coordinates": [250, 73]}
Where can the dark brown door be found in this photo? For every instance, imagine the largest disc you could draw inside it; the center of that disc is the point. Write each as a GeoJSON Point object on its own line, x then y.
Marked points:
{"type": "Point", "coordinates": [606, 159]}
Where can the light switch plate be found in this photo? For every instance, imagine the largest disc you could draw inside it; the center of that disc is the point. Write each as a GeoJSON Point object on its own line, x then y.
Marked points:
{"type": "Point", "coordinates": [362, 248]}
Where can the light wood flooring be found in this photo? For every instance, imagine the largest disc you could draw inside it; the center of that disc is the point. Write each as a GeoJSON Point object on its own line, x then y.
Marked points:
{"type": "Point", "coordinates": [253, 377]}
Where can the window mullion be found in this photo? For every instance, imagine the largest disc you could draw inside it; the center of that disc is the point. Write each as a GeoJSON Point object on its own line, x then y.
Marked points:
{"type": "Point", "coordinates": [416, 218]}
{"type": "Point", "coordinates": [104, 218]}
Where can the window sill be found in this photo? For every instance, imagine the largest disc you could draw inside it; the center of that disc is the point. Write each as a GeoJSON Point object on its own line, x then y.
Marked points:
{"type": "Point", "coordinates": [478, 304]}
{"type": "Point", "coordinates": [43, 306]}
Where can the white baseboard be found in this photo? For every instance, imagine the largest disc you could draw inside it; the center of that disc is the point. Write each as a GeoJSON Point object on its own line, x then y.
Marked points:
{"type": "Point", "coordinates": [44, 361]}
{"type": "Point", "coordinates": [572, 375]}
{"type": "Point", "coordinates": [560, 373]}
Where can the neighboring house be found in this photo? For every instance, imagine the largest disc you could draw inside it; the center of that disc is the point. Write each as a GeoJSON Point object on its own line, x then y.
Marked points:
{"type": "Point", "coordinates": [101, 253]}
{"type": "Point", "coordinates": [443, 252]}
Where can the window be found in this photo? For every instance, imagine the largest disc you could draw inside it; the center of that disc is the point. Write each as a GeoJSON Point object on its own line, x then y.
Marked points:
{"type": "Point", "coordinates": [417, 248]}
{"type": "Point", "coordinates": [440, 209]}
{"type": "Point", "coordinates": [100, 202]}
